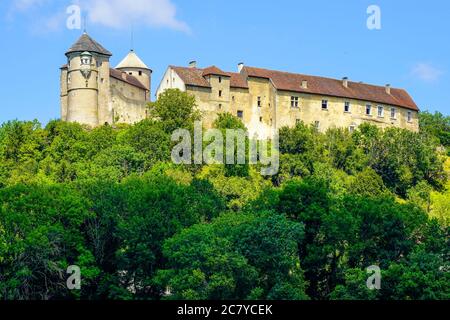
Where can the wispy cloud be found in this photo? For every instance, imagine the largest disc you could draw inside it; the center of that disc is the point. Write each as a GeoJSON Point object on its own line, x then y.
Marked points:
{"type": "Point", "coordinates": [117, 14]}
{"type": "Point", "coordinates": [120, 13]}
{"type": "Point", "coordinates": [426, 72]}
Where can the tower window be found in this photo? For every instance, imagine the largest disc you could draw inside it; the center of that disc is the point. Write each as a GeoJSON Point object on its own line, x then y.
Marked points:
{"type": "Point", "coordinates": [140, 73]}
{"type": "Point", "coordinates": [259, 102]}
{"type": "Point", "coordinates": [220, 93]}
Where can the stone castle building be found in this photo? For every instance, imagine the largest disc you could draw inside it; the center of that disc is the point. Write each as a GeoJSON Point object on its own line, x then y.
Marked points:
{"type": "Point", "coordinates": [92, 93]}
{"type": "Point", "coordinates": [267, 100]}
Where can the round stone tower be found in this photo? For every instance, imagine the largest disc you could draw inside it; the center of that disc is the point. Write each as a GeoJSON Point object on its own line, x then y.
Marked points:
{"type": "Point", "coordinates": [134, 66]}
{"type": "Point", "coordinates": [87, 74]}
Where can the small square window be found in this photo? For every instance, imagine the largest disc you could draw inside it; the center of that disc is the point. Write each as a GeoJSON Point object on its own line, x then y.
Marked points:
{"type": "Point", "coordinates": [240, 114]}
{"type": "Point", "coordinates": [324, 104]}
{"type": "Point", "coordinates": [140, 73]}
{"type": "Point", "coordinates": [368, 110]}
{"type": "Point", "coordinates": [297, 121]}
{"type": "Point", "coordinates": [351, 129]}
{"type": "Point", "coordinates": [347, 107]}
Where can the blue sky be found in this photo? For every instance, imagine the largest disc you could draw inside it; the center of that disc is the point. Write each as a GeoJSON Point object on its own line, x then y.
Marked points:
{"type": "Point", "coordinates": [326, 38]}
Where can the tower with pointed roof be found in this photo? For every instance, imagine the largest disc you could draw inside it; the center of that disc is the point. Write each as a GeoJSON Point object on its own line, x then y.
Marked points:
{"type": "Point", "coordinates": [84, 78]}
{"type": "Point", "coordinates": [93, 93]}
{"type": "Point", "coordinates": [134, 66]}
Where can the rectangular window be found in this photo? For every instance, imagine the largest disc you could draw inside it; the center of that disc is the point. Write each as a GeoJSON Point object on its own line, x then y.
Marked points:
{"type": "Point", "coordinates": [317, 125]}
{"type": "Point", "coordinates": [324, 104]}
{"type": "Point", "coordinates": [232, 98]}
{"type": "Point", "coordinates": [220, 93]}
{"type": "Point", "coordinates": [380, 111]}
{"type": "Point", "coordinates": [409, 116]}
{"type": "Point", "coordinates": [351, 129]}
{"type": "Point", "coordinates": [368, 110]}
{"type": "Point", "coordinates": [220, 106]}
{"type": "Point", "coordinates": [259, 102]}
{"type": "Point", "coordinates": [297, 121]}
{"type": "Point", "coordinates": [294, 102]}
{"type": "Point", "coordinates": [140, 73]}
{"type": "Point", "coordinates": [393, 113]}
{"type": "Point", "coordinates": [260, 119]}
{"type": "Point", "coordinates": [240, 114]}
{"type": "Point", "coordinates": [220, 79]}
{"type": "Point", "coordinates": [347, 107]}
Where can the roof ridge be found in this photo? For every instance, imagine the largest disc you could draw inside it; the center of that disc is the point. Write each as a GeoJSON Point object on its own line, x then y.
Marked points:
{"type": "Point", "coordinates": [322, 77]}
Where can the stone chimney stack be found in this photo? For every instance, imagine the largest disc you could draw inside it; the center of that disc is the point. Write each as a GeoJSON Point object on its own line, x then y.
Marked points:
{"type": "Point", "coordinates": [193, 64]}
{"type": "Point", "coordinates": [345, 82]}
{"type": "Point", "coordinates": [240, 67]}
{"type": "Point", "coordinates": [388, 89]}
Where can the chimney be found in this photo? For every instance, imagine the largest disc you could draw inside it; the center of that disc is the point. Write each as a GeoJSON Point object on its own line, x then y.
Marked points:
{"type": "Point", "coordinates": [388, 89]}
{"type": "Point", "coordinates": [345, 82]}
{"type": "Point", "coordinates": [304, 84]}
{"type": "Point", "coordinates": [240, 67]}
{"type": "Point", "coordinates": [193, 64]}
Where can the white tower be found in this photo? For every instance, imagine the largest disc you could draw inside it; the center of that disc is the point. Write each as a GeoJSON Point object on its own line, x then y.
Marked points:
{"type": "Point", "coordinates": [135, 67]}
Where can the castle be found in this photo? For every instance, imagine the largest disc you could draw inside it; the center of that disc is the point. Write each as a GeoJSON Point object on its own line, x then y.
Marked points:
{"type": "Point", "coordinates": [92, 93]}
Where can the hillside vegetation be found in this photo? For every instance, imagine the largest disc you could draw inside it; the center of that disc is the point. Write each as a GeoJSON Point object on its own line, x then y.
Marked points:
{"type": "Point", "coordinates": [111, 201]}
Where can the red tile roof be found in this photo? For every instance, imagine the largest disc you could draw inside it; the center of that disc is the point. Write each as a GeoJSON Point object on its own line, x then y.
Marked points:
{"type": "Point", "coordinates": [213, 70]}
{"type": "Point", "coordinates": [125, 77]}
{"type": "Point", "coordinates": [292, 82]}
{"type": "Point", "coordinates": [238, 80]}
{"type": "Point", "coordinates": [192, 76]}
{"type": "Point", "coordinates": [195, 77]}
{"type": "Point", "coordinates": [331, 87]}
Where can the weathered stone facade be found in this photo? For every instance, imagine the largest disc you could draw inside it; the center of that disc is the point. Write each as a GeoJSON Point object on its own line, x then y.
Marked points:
{"type": "Point", "coordinates": [92, 93]}
{"type": "Point", "coordinates": [269, 100]}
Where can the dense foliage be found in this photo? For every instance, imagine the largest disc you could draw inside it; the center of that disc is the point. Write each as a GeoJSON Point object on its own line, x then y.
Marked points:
{"type": "Point", "coordinates": [111, 201]}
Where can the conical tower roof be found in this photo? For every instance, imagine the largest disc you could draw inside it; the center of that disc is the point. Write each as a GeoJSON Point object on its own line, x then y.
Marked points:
{"type": "Point", "coordinates": [132, 61]}
{"type": "Point", "coordinates": [86, 43]}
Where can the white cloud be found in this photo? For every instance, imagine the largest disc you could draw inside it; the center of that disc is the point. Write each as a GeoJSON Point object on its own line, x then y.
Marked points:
{"type": "Point", "coordinates": [117, 14]}
{"type": "Point", "coordinates": [122, 13]}
{"type": "Point", "coordinates": [426, 72]}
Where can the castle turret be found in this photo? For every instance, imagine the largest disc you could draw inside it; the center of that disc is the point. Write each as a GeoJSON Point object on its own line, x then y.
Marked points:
{"type": "Point", "coordinates": [87, 83]}
{"type": "Point", "coordinates": [134, 66]}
